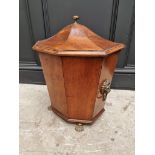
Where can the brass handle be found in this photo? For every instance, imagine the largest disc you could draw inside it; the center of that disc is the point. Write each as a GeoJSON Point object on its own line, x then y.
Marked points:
{"type": "Point", "coordinates": [75, 18]}
{"type": "Point", "coordinates": [105, 89]}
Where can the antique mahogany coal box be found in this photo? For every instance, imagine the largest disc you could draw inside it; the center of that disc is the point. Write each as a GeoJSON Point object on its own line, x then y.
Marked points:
{"type": "Point", "coordinates": [78, 66]}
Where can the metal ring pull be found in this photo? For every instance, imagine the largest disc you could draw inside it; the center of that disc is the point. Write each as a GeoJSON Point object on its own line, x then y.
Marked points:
{"type": "Point", "coordinates": [105, 89]}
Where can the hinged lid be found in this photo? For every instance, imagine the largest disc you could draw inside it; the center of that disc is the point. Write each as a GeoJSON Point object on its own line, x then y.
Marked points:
{"type": "Point", "coordinates": [77, 40]}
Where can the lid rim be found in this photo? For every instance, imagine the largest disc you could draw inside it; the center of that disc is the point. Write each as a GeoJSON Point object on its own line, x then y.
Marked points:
{"type": "Point", "coordinates": [86, 53]}
{"type": "Point", "coordinates": [77, 39]}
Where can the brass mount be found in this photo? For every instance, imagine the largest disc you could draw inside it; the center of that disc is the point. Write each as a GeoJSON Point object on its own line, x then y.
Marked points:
{"type": "Point", "coordinates": [79, 127]}
{"type": "Point", "coordinates": [105, 89]}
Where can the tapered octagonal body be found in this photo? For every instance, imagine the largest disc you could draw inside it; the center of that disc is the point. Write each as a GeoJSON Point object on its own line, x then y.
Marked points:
{"type": "Point", "coordinates": [78, 67]}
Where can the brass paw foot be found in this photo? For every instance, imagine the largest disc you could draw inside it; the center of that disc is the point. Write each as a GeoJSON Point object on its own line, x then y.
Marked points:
{"type": "Point", "coordinates": [49, 108]}
{"type": "Point", "coordinates": [79, 127]}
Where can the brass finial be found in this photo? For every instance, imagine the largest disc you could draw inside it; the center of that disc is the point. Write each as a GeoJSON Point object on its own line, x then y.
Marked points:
{"type": "Point", "coordinates": [75, 18]}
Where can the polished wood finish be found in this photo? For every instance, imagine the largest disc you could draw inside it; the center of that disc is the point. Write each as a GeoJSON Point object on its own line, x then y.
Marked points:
{"type": "Point", "coordinates": [108, 66]}
{"type": "Point", "coordinates": [88, 121]}
{"type": "Point", "coordinates": [52, 69]}
{"type": "Point", "coordinates": [81, 83]}
{"type": "Point", "coordinates": [77, 40]}
{"type": "Point", "coordinates": [75, 63]}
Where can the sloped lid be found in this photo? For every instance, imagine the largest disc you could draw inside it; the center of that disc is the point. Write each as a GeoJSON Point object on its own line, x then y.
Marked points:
{"type": "Point", "coordinates": [77, 40]}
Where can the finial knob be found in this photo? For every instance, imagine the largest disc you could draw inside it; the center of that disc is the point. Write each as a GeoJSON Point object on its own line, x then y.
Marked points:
{"type": "Point", "coordinates": [75, 18]}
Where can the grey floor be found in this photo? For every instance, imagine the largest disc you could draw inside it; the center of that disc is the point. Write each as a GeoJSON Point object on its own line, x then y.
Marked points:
{"type": "Point", "coordinates": [44, 133]}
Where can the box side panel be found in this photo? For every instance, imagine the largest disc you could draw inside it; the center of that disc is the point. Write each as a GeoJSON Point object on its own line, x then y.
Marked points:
{"type": "Point", "coordinates": [52, 69]}
{"type": "Point", "coordinates": [81, 77]}
{"type": "Point", "coordinates": [108, 67]}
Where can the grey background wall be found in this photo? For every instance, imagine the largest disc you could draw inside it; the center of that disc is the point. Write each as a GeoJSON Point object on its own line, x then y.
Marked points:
{"type": "Point", "coordinates": [112, 19]}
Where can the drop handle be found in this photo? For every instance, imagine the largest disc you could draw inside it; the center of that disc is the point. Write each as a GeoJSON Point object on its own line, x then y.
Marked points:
{"type": "Point", "coordinates": [105, 89]}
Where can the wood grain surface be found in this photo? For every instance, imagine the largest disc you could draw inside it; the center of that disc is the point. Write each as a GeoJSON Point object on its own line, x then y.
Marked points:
{"type": "Point", "coordinates": [77, 40]}
{"type": "Point", "coordinates": [52, 69]}
{"type": "Point", "coordinates": [81, 81]}
{"type": "Point", "coordinates": [75, 62]}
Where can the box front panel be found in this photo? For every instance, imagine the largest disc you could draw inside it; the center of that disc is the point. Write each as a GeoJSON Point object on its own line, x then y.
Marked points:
{"type": "Point", "coordinates": [81, 77]}
{"type": "Point", "coordinates": [52, 69]}
{"type": "Point", "coordinates": [108, 67]}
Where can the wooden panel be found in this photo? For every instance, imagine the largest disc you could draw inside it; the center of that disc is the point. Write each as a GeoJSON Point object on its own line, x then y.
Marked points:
{"type": "Point", "coordinates": [108, 67]}
{"type": "Point", "coordinates": [99, 104]}
{"type": "Point", "coordinates": [81, 80]}
{"type": "Point", "coordinates": [52, 68]}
